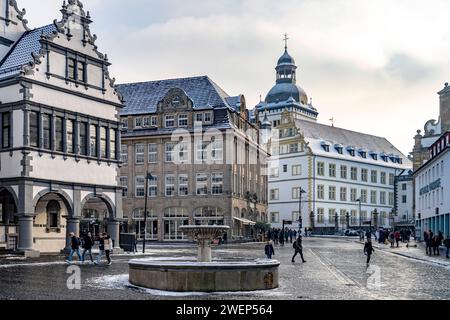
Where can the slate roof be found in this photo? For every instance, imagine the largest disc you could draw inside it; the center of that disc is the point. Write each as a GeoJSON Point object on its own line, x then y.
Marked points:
{"type": "Point", "coordinates": [143, 97]}
{"type": "Point", "coordinates": [20, 53]}
{"type": "Point", "coordinates": [317, 134]}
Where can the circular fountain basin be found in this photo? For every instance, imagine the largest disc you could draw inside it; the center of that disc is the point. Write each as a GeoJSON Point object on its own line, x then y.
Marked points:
{"type": "Point", "coordinates": [191, 276]}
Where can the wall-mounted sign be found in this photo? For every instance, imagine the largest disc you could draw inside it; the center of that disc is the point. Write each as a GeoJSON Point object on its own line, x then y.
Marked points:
{"type": "Point", "coordinates": [430, 187]}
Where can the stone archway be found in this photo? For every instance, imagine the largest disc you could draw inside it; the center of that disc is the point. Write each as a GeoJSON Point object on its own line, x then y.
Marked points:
{"type": "Point", "coordinates": [8, 219]}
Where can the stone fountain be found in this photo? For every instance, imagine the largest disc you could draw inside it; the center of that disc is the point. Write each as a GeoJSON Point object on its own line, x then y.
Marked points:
{"type": "Point", "coordinates": [205, 275]}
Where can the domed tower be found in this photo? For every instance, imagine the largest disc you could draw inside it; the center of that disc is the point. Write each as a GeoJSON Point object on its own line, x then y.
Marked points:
{"type": "Point", "coordinates": [286, 94]}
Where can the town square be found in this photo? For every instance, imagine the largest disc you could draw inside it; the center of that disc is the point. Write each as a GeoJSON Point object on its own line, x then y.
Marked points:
{"type": "Point", "coordinates": [184, 169]}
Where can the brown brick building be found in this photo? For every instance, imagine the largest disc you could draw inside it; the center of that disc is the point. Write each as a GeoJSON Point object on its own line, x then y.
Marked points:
{"type": "Point", "coordinates": [204, 157]}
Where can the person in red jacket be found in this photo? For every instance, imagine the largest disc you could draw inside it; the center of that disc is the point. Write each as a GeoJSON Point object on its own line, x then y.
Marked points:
{"type": "Point", "coordinates": [398, 237]}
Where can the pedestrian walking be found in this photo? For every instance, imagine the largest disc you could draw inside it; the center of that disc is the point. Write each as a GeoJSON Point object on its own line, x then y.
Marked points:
{"type": "Point", "coordinates": [291, 234]}
{"type": "Point", "coordinates": [447, 246]}
{"type": "Point", "coordinates": [74, 247]}
{"type": "Point", "coordinates": [392, 238]}
{"type": "Point", "coordinates": [269, 250]}
{"type": "Point", "coordinates": [108, 248]}
{"type": "Point", "coordinates": [436, 244]}
{"type": "Point", "coordinates": [104, 248]}
{"type": "Point", "coordinates": [368, 250]}
{"type": "Point", "coordinates": [298, 247]}
{"type": "Point", "coordinates": [87, 245]}
{"type": "Point", "coordinates": [397, 237]}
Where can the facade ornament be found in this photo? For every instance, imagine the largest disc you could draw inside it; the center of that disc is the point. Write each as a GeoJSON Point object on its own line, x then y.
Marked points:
{"type": "Point", "coordinates": [20, 14]}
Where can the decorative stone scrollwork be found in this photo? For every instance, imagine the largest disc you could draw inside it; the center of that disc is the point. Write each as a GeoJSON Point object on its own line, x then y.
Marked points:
{"type": "Point", "coordinates": [20, 14]}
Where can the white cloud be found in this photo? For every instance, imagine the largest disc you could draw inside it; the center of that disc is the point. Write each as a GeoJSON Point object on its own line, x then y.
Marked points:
{"type": "Point", "coordinates": [373, 65]}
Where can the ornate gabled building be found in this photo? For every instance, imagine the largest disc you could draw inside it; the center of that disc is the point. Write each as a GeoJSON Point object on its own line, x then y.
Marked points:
{"type": "Point", "coordinates": [203, 155]}
{"type": "Point", "coordinates": [60, 143]}
{"type": "Point", "coordinates": [285, 95]}
{"type": "Point", "coordinates": [432, 130]}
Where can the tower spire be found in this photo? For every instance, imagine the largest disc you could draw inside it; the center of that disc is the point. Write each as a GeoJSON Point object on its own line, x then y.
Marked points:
{"type": "Point", "coordinates": [285, 41]}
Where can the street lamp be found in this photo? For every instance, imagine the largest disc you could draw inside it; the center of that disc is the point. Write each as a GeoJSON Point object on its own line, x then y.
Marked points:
{"type": "Point", "coordinates": [347, 217]}
{"type": "Point", "coordinates": [372, 213]}
{"type": "Point", "coordinates": [360, 222]}
{"type": "Point", "coordinates": [147, 177]}
{"type": "Point", "coordinates": [300, 220]}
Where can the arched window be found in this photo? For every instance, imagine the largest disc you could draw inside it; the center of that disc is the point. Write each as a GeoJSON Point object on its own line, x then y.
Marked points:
{"type": "Point", "coordinates": [53, 210]}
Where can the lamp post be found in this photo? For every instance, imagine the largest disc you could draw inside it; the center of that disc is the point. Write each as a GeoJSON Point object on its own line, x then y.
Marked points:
{"type": "Point", "coordinates": [147, 177]}
{"type": "Point", "coordinates": [300, 220]}
{"type": "Point", "coordinates": [372, 214]}
{"type": "Point", "coordinates": [360, 222]}
{"type": "Point", "coordinates": [347, 217]}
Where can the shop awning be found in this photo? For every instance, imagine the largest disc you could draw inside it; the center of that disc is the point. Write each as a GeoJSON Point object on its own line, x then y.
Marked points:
{"type": "Point", "coordinates": [245, 221]}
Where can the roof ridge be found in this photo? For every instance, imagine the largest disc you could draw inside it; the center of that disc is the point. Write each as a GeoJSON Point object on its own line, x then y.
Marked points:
{"type": "Point", "coordinates": [160, 80]}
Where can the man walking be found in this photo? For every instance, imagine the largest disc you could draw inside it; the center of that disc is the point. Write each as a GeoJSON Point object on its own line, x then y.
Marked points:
{"type": "Point", "coordinates": [88, 243]}
{"type": "Point", "coordinates": [447, 246]}
{"type": "Point", "coordinates": [101, 247]}
{"type": "Point", "coordinates": [298, 246]}
{"type": "Point", "coordinates": [74, 247]}
{"type": "Point", "coordinates": [269, 250]}
{"type": "Point", "coordinates": [368, 250]}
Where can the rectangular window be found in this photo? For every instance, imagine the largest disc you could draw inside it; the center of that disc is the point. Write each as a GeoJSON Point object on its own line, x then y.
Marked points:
{"type": "Point", "coordinates": [332, 193]}
{"type": "Point", "coordinates": [332, 170]}
{"type": "Point", "coordinates": [138, 122]}
{"type": "Point", "coordinates": [274, 172]}
{"type": "Point", "coordinates": [217, 183]}
{"type": "Point", "coordinates": [354, 173]}
{"type": "Point", "coordinates": [169, 146]}
{"type": "Point", "coordinates": [296, 170]}
{"type": "Point", "coordinates": [146, 122]}
{"type": "Point", "coordinates": [285, 168]}
{"type": "Point", "coordinates": [373, 176]}
{"type": "Point", "coordinates": [404, 186]}
{"type": "Point", "coordinates": [391, 179]}
{"type": "Point", "coordinates": [34, 129]}
{"type": "Point", "coordinates": [46, 131]}
{"type": "Point", "coordinates": [71, 65]}
{"type": "Point", "coordinates": [103, 142]}
{"type": "Point", "coordinates": [353, 195]}
{"type": "Point", "coordinates": [154, 121]}
{"type": "Point", "coordinates": [391, 198]}
{"type": "Point", "coordinates": [124, 185]}
{"type": "Point", "coordinates": [81, 74]}
{"type": "Point", "coordinates": [207, 117]}
{"type": "Point", "coordinates": [153, 187]}
{"type": "Point", "coordinates": [217, 150]}
{"type": "Point", "coordinates": [343, 194]}
{"type": "Point", "coordinates": [364, 196]}
{"type": "Point", "coordinates": [404, 199]}
{"type": "Point", "coordinates": [183, 151]}
{"type": "Point", "coordinates": [201, 150]}
{"type": "Point", "coordinates": [199, 117]}
{"type": "Point", "coordinates": [59, 134]}
{"type": "Point", "coordinates": [320, 192]}
{"type": "Point", "coordinates": [382, 197]}
{"type": "Point", "coordinates": [152, 153]}
{"type": "Point", "coordinates": [170, 185]}
{"type": "Point", "coordinates": [293, 148]}
{"type": "Point", "coordinates": [183, 120]}
{"type": "Point", "coordinates": [274, 217]}
{"type": "Point", "coordinates": [139, 186]}
{"type": "Point", "coordinates": [124, 154]}
{"type": "Point", "coordinates": [373, 197]}
{"type": "Point", "coordinates": [320, 169]}
{"type": "Point", "coordinates": [364, 175]}
{"type": "Point", "coordinates": [331, 215]}
{"type": "Point", "coordinates": [343, 172]}
{"type": "Point", "coordinates": [83, 138]}
{"type": "Point", "coordinates": [6, 130]}
{"type": "Point", "coordinates": [124, 123]}
{"type": "Point", "coordinates": [274, 194]}
{"type": "Point", "coordinates": [183, 184]}
{"type": "Point", "coordinates": [383, 178]}
{"type": "Point", "coordinates": [170, 121]}
{"type": "Point", "coordinates": [320, 215]}
{"type": "Point", "coordinates": [70, 142]}
{"type": "Point", "coordinates": [112, 144]}
{"type": "Point", "coordinates": [93, 140]}
{"type": "Point", "coordinates": [296, 193]}
{"type": "Point", "coordinates": [202, 184]}
{"type": "Point", "coordinates": [139, 153]}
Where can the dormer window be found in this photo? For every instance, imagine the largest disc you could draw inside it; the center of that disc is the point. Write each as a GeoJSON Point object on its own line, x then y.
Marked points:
{"type": "Point", "coordinates": [138, 122]}
{"type": "Point", "coordinates": [176, 101]}
{"type": "Point", "coordinates": [146, 121]}
{"type": "Point", "coordinates": [124, 123]}
{"type": "Point", "coordinates": [351, 150]}
{"type": "Point", "coordinates": [339, 148]}
{"type": "Point", "coordinates": [170, 121]}
{"type": "Point", "coordinates": [207, 117]}
{"type": "Point", "coordinates": [199, 117]}
{"type": "Point", "coordinates": [374, 156]}
{"type": "Point", "coordinates": [325, 146]}
{"type": "Point", "coordinates": [384, 157]}
{"type": "Point", "coordinates": [363, 154]}
{"type": "Point", "coordinates": [154, 121]}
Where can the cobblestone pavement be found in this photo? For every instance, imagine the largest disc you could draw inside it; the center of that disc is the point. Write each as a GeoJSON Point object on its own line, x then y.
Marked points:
{"type": "Point", "coordinates": [335, 269]}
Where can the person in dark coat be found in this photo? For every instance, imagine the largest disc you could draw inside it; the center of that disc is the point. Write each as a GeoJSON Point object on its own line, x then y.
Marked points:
{"type": "Point", "coordinates": [298, 246]}
{"type": "Point", "coordinates": [74, 247]}
{"type": "Point", "coordinates": [368, 250]}
{"type": "Point", "coordinates": [436, 244]}
{"type": "Point", "coordinates": [447, 246]}
{"type": "Point", "coordinates": [291, 234]}
{"type": "Point", "coordinates": [426, 239]}
{"type": "Point", "coordinates": [88, 243]}
{"type": "Point", "coordinates": [269, 250]}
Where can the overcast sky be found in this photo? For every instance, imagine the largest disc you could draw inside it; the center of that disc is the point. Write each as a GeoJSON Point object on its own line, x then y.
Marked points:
{"type": "Point", "coordinates": [375, 66]}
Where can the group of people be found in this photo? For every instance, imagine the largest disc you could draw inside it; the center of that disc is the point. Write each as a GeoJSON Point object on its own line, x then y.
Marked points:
{"type": "Point", "coordinates": [297, 245]}
{"type": "Point", "coordinates": [434, 241]}
{"type": "Point", "coordinates": [86, 242]}
{"type": "Point", "coordinates": [280, 236]}
{"type": "Point", "coordinates": [394, 237]}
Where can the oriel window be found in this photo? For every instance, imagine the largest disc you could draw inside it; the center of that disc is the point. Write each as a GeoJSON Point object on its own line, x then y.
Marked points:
{"type": "Point", "coordinates": [59, 134]}
{"type": "Point", "coordinates": [93, 140]}
{"type": "Point", "coordinates": [46, 131]}
{"type": "Point", "coordinates": [6, 130]}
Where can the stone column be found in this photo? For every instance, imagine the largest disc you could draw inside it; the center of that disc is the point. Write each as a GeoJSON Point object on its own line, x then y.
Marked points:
{"type": "Point", "coordinates": [114, 232]}
{"type": "Point", "coordinates": [204, 250]}
{"type": "Point", "coordinates": [26, 237]}
{"type": "Point", "coordinates": [73, 225]}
